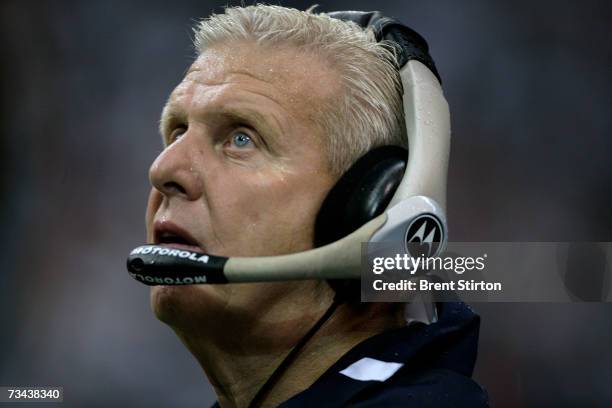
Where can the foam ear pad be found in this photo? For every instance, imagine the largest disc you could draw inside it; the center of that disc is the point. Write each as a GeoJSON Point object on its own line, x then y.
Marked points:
{"type": "Point", "coordinates": [362, 193]}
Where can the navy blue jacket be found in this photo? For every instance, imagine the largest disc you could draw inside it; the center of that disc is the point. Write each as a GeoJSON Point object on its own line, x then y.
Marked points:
{"type": "Point", "coordinates": [414, 366]}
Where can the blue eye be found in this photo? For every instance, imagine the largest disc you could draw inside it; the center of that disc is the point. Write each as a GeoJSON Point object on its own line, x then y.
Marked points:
{"type": "Point", "coordinates": [241, 139]}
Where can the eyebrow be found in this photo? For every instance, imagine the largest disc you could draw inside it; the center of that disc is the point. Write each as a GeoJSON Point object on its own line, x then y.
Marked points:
{"type": "Point", "coordinates": [269, 125]}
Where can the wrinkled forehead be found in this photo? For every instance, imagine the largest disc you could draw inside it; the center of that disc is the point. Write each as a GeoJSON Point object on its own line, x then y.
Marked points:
{"type": "Point", "coordinates": [296, 78]}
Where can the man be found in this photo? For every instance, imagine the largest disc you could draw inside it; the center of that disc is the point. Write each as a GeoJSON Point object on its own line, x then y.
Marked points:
{"type": "Point", "coordinates": [277, 105]}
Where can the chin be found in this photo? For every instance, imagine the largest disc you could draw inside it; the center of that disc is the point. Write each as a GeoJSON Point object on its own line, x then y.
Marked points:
{"type": "Point", "coordinates": [183, 306]}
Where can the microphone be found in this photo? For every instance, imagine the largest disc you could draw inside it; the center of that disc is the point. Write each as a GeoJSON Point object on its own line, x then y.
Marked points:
{"type": "Point", "coordinates": [161, 265]}
{"type": "Point", "coordinates": [164, 265]}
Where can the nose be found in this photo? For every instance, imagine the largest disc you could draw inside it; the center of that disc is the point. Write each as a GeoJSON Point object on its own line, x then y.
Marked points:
{"type": "Point", "coordinates": [175, 171]}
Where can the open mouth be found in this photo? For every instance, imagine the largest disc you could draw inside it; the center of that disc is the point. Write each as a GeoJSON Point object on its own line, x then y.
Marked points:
{"type": "Point", "coordinates": [170, 239]}
{"type": "Point", "coordinates": [168, 234]}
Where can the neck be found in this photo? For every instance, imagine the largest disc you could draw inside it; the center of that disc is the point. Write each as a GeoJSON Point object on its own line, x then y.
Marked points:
{"type": "Point", "coordinates": [238, 367]}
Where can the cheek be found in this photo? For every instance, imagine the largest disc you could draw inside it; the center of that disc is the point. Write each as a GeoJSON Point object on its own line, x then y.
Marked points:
{"type": "Point", "coordinates": [268, 213]}
{"type": "Point", "coordinates": [242, 198]}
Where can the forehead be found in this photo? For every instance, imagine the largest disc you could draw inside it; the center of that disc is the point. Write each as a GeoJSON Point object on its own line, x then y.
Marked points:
{"type": "Point", "coordinates": [300, 81]}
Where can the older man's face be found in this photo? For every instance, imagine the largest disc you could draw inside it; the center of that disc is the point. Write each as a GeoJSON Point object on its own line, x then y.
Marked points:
{"type": "Point", "coordinates": [244, 170]}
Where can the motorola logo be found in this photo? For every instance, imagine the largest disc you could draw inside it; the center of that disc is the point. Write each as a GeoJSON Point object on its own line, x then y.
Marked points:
{"type": "Point", "coordinates": [424, 236]}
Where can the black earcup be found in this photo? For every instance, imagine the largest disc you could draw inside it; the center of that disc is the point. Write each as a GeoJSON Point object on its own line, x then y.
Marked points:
{"type": "Point", "coordinates": [362, 193]}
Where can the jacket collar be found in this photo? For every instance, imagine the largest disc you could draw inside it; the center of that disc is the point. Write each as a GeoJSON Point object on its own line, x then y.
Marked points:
{"type": "Point", "coordinates": [448, 343]}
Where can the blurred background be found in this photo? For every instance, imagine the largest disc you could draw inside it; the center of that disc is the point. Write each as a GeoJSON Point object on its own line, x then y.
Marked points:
{"type": "Point", "coordinates": [82, 84]}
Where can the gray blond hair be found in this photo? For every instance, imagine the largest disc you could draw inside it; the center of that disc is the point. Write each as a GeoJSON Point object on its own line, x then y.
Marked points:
{"type": "Point", "coordinates": [370, 112]}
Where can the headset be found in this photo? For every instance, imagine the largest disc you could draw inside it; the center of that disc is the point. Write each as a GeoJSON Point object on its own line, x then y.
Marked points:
{"type": "Point", "coordinates": [383, 197]}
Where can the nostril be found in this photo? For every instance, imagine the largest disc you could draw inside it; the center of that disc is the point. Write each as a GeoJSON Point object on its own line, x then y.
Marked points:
{"type": "Point", "coordinates": [174, 187]}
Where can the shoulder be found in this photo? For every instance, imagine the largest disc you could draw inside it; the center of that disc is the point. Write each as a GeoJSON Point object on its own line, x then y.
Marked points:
{"type": "Point", "coordinates": [431, 388]}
